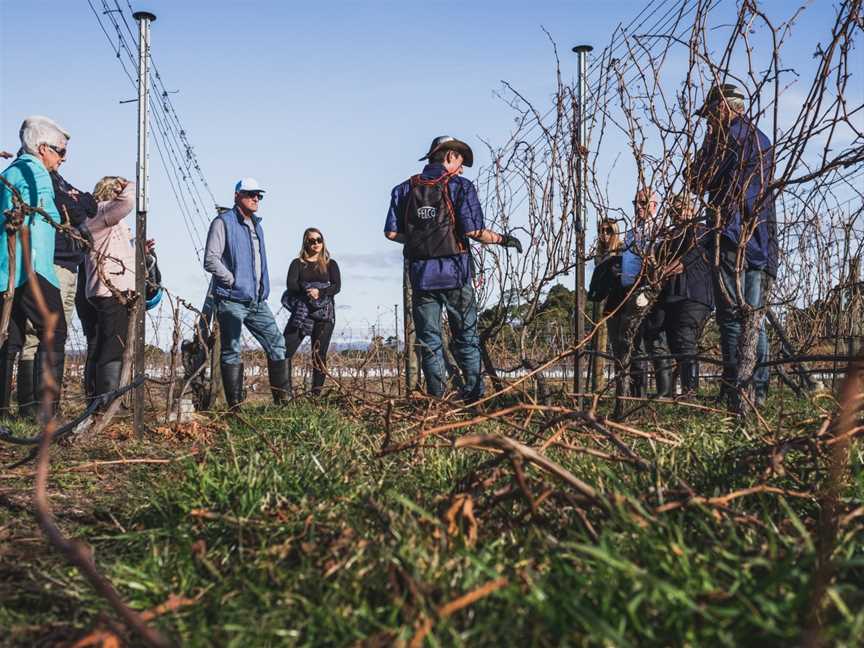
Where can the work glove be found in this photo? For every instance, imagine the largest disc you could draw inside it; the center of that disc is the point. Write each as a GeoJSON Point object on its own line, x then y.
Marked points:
{"type": "Point", "coordinates": [510, 241]}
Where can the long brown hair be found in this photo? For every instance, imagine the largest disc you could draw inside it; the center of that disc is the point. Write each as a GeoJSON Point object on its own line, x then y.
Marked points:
{"type": "Point", "coordinates": [323, 256]}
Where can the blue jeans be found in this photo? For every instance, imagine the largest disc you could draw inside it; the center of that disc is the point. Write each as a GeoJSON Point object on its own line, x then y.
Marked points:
{"type": "Point", "coordinates": [729, 318]}
{"type": "Point", "coordinates": [258, 318]}
{"type": "Point", "coordinates": [462, 317]}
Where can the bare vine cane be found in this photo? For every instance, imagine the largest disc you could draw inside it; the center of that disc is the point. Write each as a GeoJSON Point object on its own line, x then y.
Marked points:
{"type": "Point", "coordinates": [830, 499]}
{"type": "Point", "coordinates": [13, 219]}
{"type": "Point", "coordinates": [75, 551]}
{"type": "Point", "coordinates": [172, 367]}
{"type": "Point", "coordinates": [11, 243]}
{"type": "Point", "coordinates": [207, 354]}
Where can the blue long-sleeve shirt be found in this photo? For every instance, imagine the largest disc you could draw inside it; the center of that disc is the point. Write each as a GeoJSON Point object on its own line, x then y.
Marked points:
{"type": "Point", "coordinates": [636, 240]}
{"type": "Point", "coordinates": [444, 272]}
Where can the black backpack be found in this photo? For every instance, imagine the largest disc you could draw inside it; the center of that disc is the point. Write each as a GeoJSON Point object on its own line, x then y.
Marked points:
{"type": "Point", "coordinates": [429, 220]}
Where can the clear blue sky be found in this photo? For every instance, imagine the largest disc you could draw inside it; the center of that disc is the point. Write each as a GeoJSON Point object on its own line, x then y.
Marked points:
{"type": "Point", "coordinates": [327, 104]}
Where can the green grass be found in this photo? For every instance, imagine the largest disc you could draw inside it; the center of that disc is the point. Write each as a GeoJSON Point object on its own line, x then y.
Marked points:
{"type": "Point", "coordinates": [294, 532]}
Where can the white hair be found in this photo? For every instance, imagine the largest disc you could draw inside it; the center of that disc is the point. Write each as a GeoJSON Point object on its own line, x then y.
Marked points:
{"type": "Point", "coordinates": [736, 104]}
{"type": "Point", "coordinates": [38, 130]}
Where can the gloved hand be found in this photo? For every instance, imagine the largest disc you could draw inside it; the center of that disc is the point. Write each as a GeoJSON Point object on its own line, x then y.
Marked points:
{"type": "Point", "coordinates": [510, 241]}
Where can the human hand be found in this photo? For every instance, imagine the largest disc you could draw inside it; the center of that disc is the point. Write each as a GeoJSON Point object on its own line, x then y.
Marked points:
{"type": "Point", "coordinates": [5, 155]}
{"type": "Point", "coordinates": [676, 268]}
{"type": "Point", "coordinates": [312, 293]}
{"type": "Point", "coordinates": [149, 246]}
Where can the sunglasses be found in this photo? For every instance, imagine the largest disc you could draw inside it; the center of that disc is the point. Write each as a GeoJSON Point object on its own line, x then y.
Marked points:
{"type": "Point", "coordinates": [314, 241]}
{"type": "Point", "coordinates": [59, 151]}
{"type": "Point", "coordinates": [254, 195]}
{"type": "Point", "coordinates": [607, 230]}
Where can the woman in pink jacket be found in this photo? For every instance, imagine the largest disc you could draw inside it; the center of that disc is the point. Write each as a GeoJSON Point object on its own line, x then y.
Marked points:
{"type": "Point", "coordinates": [110, 267]}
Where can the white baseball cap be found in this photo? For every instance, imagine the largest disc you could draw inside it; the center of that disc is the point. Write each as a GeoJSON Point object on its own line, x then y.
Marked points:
{"type": "Point", "coordinates": [248, 184]}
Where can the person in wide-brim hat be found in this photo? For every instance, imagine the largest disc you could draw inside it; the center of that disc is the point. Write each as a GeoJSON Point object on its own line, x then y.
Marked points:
{"type": "Point", "coordinates": [448, 142]}
{"type": "Point", "coordinates": [435, 215]}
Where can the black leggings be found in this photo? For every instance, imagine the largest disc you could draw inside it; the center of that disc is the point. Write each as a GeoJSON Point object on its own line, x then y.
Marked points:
{"type": "Point", "coordinates": [321, 334]}
{"type": "Point", "coordinates": [89, 326]}
{"type": "Point", "coordinates": [24, 309]}
{"type": "Point", "coordinates": [113, 318]}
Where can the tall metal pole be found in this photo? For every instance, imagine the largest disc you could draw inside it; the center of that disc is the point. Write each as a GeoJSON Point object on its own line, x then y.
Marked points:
{"type": "Point", "coordinates": [412, 355]}
{"type": "Point", "coordinates": [144, 19]}
{"type": "Point", "coordinates": [396, 347]}
{"type": "Point", "coordinates": [581, 215]}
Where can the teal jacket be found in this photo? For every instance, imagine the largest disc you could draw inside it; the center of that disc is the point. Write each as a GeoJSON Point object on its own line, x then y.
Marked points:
{"type": "Point", "coordinates": [32, 180]}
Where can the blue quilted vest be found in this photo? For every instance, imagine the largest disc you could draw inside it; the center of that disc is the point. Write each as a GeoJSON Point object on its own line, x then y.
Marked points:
{"type": "Point", "coordinates": [237, 257]}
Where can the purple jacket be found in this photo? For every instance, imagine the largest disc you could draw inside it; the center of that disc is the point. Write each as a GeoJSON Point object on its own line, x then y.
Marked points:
{"type": "Point", "coordinates": [736, 171]}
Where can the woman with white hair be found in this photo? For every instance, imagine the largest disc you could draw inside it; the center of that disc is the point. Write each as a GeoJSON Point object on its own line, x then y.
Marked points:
{"type": "Point", "coordinates": [43, 145]}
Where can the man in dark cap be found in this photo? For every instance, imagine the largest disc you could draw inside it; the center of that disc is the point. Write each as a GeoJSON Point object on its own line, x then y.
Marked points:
{"type": "Point", "coordinates": [433, 214]}
{"type": "Point", "coordinates": [735, 167]}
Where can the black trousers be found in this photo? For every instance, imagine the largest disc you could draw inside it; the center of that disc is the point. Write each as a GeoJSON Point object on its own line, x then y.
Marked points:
{"type": "Point", "coordinates": [112, 327]}
{"type": "Point", "coordinates": [24, 309]}
{"type": "Point", "coordinates": [89, 325]}
{"type": "Point", "coordinates": [681, 322]}
{"type": "Point", "coordinates": [626, 332]}
{"type": "Point", "coordinates": [321, 334]}
{"type": "Point", "coordinates": [685, 320]}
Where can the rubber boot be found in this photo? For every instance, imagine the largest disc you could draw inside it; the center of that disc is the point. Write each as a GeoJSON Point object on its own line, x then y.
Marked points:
{"type": "Point", "coordinates": [280, 380]}
{"type": "Point", "coordinates": [27, 388]}
{"type": "Point", "coordinates": [232, 381]}
{"type": "Point", "coordinates": [107, 378]}
{"type": "Point", "coordinates": [57, 362]}
{"type": "Point", "coordinates": [637, 380]}
{"type": "Point", "coordinates": [318, 377]}
{"type": "Point", "coordinates": [688, 377]}
{"type": "Point", "coordinates": [7, 366]}
{"type": "Point", "coordinates": [90, 371]}
{"type": "Point", "coordinates": [663, 378]}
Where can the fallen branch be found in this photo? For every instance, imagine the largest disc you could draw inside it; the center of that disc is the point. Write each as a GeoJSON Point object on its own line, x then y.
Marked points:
{"type": "Point", "coordinates": [722, 500]}
{"type": "Point", "coordinates": [425, 625]}
{"type": "Point", "coordinates": [541, 461]}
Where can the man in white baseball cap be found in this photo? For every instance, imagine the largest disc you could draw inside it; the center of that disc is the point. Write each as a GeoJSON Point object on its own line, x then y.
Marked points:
{"type": "Point", "coordinates": [249, 186]}
{"type": "Point", "coordinates": [237, 259]}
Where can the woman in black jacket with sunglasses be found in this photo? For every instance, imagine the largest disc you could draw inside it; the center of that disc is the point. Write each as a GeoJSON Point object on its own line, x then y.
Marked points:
{"type": "Point", "coordinates": [313, 281]}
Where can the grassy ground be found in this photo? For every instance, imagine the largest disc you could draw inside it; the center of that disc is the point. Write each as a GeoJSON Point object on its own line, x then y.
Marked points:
{"type": "Point", "coordinates": [285, 528]}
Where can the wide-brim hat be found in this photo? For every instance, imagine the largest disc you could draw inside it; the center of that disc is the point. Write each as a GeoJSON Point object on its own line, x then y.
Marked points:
{"type": "Point", "coordinates": [718, 92]}
{"type": "Point", "coordinates": [453, 144]}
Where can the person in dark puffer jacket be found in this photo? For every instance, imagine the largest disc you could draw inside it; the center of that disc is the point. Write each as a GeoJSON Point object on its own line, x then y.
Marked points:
{"type": "Point", "coordinates": [687, 298]}
{"type": "Point", "coordinates": [313, 280]}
